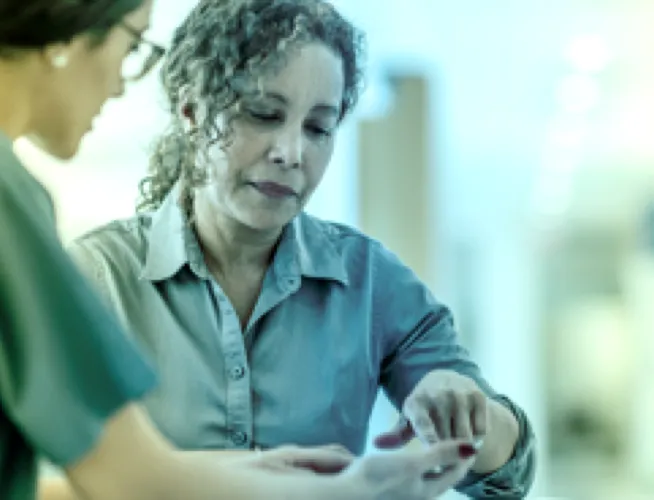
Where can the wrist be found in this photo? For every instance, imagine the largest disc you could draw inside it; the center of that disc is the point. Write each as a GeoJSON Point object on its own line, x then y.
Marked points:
{"type": "Point", "coordinates": [500, 443]}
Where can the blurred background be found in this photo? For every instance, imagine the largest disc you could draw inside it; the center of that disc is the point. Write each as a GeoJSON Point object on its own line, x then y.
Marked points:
{"type": "Point", "coordinates": [505, 150]}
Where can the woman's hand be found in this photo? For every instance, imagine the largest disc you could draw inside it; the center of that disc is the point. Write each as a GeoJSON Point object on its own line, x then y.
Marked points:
{"type": "Point", "coordinates": [410, 475]}
{"type": "Point", "coordinates": [447, 405]}
{"type": "Point", "coordinates": [329, 459]}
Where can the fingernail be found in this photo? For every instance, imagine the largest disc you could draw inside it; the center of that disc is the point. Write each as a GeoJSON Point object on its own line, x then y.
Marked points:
{"type": "Point", "coordinates": [467, 450]}
{"type": "Point", "coordinates": [438, 472]}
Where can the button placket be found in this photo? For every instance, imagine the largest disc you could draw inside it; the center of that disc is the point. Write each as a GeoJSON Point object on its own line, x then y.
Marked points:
{"type": "Point", "coordinates": [237, 372]}
{"type": "Point", "coordinates": [239, 438]}
{"type": "Point", "coordinates": [237, 384]}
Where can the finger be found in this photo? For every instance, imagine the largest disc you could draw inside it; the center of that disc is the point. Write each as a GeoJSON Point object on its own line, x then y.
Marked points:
{"type": "Point", "coordinates": [438, 472]}
{"type": "Point", "coordinates": [418, 414]}
{"type": "Point", "coordinates": [337, 448]}
{"type": "Point", "coordinates": [446, 453]}
{"type": "Point", "coordinates": [451, 461]}
{"type": "Point", "coordinates": [446, 480]}
{"type": "Point", "coordinates": [442, 422]}
{"type": "Point", "coordinates": [461, 419]}
{"type": "Point", "coordinates": [281, 460]}
{"type": "Point", "coordinates": [292, 450]}
{"type": "Point", "coordinates": [286, 468]}
{"type": "Point", "coordinates": [442, 414]}
{"type": "Point", "coordinates": [479, 413]}
{"type": "Point", "coordinates": [325, 460]}
{"type": "Point", "coordinates": [398, 436]}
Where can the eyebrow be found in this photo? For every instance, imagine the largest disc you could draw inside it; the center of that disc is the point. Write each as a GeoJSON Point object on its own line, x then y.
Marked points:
{"type": "Point", "coordinates": [322, 107]}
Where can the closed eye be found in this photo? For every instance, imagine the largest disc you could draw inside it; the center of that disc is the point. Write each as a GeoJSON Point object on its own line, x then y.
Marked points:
{"type": "Point", "coordinates": [264, 117]}
{"type": "Point", "coordinates": [319, 130]}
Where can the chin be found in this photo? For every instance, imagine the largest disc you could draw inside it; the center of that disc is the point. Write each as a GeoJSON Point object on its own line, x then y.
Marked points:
{"type": "Point", "coordinates": [266, 223]}
{"type": "Point", "coordinates": [66, 153]}
{"type": "Point", "coordinates": [60, 149]}
{"type": "Point", "coordinates": [267, 226]}
{"type": "Point", "coordinates": [264, 218]}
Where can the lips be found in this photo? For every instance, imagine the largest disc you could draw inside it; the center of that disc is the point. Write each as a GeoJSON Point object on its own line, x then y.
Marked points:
{"type": "Point", "coordinates": [273, 189]}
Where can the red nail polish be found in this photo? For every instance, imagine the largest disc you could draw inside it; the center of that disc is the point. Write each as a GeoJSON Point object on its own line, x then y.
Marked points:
{"type": "Point", "coordinates": [467, 450]}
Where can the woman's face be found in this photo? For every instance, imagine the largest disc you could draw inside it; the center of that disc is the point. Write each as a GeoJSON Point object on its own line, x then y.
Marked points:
{"type": "Point", "coordinates": [281, 143]}
{"type": "Point", "coordinates": [68, 99]}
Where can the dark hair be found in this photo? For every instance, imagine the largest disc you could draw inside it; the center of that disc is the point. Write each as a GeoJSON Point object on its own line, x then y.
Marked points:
{"type": "Point", "coordinates": [32, 24]}
{"type": "Point", "coordinates": [218, 55]}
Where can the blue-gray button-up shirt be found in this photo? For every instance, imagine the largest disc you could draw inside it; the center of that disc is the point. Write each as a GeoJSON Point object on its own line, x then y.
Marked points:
{"type": "Point", "coordinates": [338, 316]}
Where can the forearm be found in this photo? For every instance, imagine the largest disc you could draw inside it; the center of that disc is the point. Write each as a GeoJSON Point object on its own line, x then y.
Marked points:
{"type": "Point", "coordinates": [133, 461]}
{"type": "Point", "coordinates": [500, 442]}
{"type": "Point", "coordinates": [207, 476]}
{"type": "Point", "coordinates": [200, 476]}
{"type": "Point", "coordinates": [56, 488]}
{"type": "Point", "coordinates": [59, 488]}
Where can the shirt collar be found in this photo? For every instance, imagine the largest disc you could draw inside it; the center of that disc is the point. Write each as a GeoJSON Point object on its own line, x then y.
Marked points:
{"type": "Point", "coordinates": [171, 243]}
{"type": "Point", "coordinates": [305, 247]}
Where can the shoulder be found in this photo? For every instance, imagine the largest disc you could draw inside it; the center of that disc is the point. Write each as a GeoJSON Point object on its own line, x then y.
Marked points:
{"type": "Point", "coordinates": [121, 242]}
{"type": "Point", "coordinates": [354, 246]}
{"type": "Point", "coordinates": [22, 196]}
{"type": "Point", "coordinates": [342, 237]}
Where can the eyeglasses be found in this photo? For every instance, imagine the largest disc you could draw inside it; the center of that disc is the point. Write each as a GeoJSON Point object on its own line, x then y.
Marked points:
{"type": "Point", "coordinates": [142, 58]}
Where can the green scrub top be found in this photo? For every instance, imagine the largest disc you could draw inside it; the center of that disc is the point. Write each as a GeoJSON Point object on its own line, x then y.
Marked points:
{"type": "Point", "coordinates": [65, 364]}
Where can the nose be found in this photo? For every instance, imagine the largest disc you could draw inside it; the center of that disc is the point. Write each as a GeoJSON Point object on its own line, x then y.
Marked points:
{"type": "Point", "coordinates": [287, 147]}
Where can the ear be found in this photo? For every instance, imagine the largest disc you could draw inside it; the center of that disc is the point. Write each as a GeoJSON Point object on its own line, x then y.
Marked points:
{"type": "Point", "coordinates": [56, 56]}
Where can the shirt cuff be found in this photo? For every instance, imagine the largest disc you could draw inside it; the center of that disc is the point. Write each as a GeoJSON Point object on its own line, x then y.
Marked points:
{"type": "Point", "coordinates": [514, 479]}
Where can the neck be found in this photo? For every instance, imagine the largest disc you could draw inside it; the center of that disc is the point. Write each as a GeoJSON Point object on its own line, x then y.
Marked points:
{"type": "Point", "coordinates": [14, 99]}
{"type": "Point", "coordinates": [227, 244]}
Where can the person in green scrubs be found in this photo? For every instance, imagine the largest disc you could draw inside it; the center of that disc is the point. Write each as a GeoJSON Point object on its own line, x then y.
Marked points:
{"type": "Point", "coordinates": [70, 381]}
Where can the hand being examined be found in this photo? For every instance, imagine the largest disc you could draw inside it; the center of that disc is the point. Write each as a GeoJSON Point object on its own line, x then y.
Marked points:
{"type": "Point", "coordinates": [447, 405]}
{"type": "Point", "coordinates": [408, 474]}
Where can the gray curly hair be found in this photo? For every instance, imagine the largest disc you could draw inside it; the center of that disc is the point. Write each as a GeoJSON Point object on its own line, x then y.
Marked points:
{"type": "Point", "coordinates": [219, 55]}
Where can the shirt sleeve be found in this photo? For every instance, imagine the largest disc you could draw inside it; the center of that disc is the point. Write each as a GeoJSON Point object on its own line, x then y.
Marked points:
{"type": "Point", "coordinates": [419, 336]}
{"type": "Point", "coordinates": [65, 365]}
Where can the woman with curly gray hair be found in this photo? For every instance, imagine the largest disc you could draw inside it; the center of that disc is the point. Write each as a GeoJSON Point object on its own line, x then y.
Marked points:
{"type": "Point", "coordinates": [268, 325]}
{"type": "Point", "coordinates": [70, 380]}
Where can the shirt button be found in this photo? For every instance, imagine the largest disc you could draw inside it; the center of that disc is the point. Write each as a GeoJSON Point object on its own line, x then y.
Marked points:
{"type": "Point", "coordinates": [237, 372]}
{"type": "Point", "coordinates": [239, 438]}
